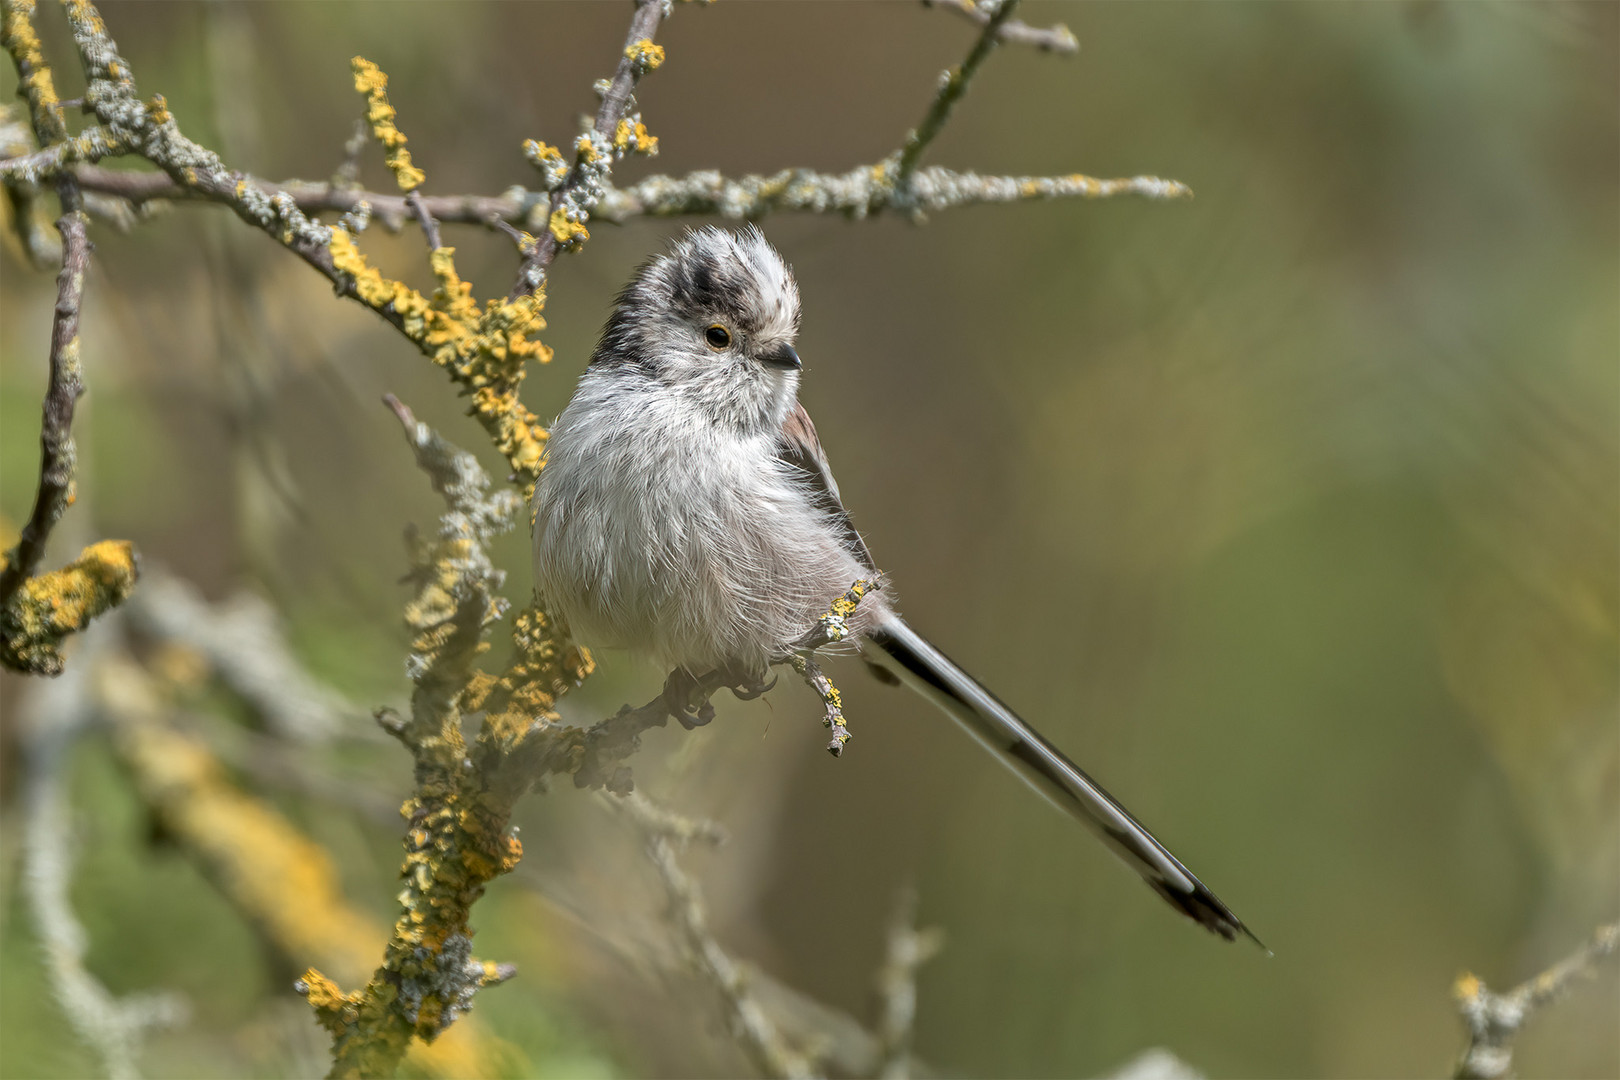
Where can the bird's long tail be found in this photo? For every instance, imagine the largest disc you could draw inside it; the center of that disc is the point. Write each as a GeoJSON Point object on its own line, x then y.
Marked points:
{"type": "Point", "coordinates": [907, 654]}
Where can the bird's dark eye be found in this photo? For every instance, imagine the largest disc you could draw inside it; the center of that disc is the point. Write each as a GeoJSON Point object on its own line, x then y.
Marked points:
{"type": "Point", "coordinates": [718, 337]}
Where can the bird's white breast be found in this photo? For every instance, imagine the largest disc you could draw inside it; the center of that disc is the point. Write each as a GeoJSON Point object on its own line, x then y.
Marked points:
{"type": "Point", "coordinates": [657, 530]}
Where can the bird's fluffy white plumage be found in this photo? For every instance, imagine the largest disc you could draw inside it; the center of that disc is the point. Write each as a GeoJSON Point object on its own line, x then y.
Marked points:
{"type": "Point", "coordinates": [665, 522]}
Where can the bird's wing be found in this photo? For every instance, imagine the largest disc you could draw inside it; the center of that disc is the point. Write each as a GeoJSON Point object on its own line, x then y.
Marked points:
{"type": "Point", "coordinates": [800, 449]}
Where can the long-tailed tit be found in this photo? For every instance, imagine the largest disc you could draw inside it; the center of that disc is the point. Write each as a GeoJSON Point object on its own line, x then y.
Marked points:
{"type": "Point", "coordinates": [686, 512]}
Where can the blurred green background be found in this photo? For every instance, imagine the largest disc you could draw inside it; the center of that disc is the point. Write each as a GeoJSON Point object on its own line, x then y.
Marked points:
{"type": "Point", "coordinates": [1292, 512]}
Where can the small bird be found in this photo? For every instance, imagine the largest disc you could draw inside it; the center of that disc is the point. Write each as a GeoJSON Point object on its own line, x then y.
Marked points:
{"type": "Point", "coordinates": [686, 512]}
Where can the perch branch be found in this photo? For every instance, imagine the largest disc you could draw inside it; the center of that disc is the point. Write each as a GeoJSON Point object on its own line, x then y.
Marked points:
{"type": "Point", "coordinates": [1493, 1020]}
{"type": "Point", "coordinates": [830, 628]}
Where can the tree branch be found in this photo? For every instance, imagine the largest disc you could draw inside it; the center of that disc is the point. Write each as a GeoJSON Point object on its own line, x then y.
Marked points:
{"type": "Point", "coordinates": [665, 833]}
{"type": "Point", "coordinates": [1493, 1020]}
{"type": "Point", "coordinates": [1057, 38]}
{"type": "Point", "coordinates": [951, 88]}
{"type": "Point", "coordinates": [571, 203]}
{"type": "Point", "coordinates": [908, 950]}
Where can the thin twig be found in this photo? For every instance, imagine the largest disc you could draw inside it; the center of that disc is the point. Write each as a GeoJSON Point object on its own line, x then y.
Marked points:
{"type": "Point", "coordinates": [92, 144]}
{"type": "Point", "coordinates": [57, 454]}
{"type": "Point", "coordinates": [664, 832]}
{"type": "Point", "coordinates": [424, 216]}
{"type": "Point", "coordinates": [1493, 1020]}
{"type": "Point", "coordinates": [592, 170]}
{"type": "Point", "coordinates": [831, 700]}
{"type": "Point", "coordinates": [951, 88]}
{"type": "Point", "coordinates": [1057, 38]}
{"type": "Point", "coordinates": [908, 950]}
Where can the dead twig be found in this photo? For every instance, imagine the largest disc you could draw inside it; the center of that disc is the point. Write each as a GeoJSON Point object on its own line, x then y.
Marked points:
{"type": "Point", "coordinates": [665, 833]}
{"type": "Point", "coordinates": [1493, 1020]}
{"type": "Point", "coordinates": [1057, 38]}
{"type": "Point", "coordinates": [908, 950]}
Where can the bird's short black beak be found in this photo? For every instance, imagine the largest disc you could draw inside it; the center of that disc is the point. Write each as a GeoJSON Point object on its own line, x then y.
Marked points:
{"type": "Point", "coordinates": [784, 357]}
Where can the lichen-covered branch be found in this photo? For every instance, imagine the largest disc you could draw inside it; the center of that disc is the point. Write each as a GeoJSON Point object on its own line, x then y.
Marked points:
{"type": "Point", "coordinates": [36, 613]}
{"type": "Point", "coordinates": [50, 720]}
{"type": "Point", "coordinates": [830, 628]}
{"type": "Point", "coordinates": [58, 456]}
{"type": "Point", "coordinates": [863, 191]}
{"type": "Point", "coordinates": [1493, 1020]}
{"type": "Point", "coordinates": [46, 609]}
{"type": "Point", "coordinates": [281, 882]}
{"type": "Point", "coordinates": [1056, 38]}
{"type": "Point", "coordinates": [484, 349]}
{"type": "Point", "coordinates": [459, 837]}
{"type": "Point", "coordinates": [612, 135]}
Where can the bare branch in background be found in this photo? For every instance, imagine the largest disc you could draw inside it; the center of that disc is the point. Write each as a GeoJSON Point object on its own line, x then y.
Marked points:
{"type": "Point", "coordinates": [1494, 1020]}
{"type": "Point", "coordinates": [665, 834]}
{"type": "Point", "coordinates": [1058, 38]}
{"type": "Point", "coordinates": [242, 643]}
{"type": "Point", "coordinates": [51, 718]}
{"type": "Point", "coordinates": [908, 950]}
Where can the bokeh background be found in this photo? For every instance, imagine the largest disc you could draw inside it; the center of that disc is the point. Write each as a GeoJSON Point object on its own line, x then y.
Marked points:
{"type": "Point", "coordinates": [1291, 511]}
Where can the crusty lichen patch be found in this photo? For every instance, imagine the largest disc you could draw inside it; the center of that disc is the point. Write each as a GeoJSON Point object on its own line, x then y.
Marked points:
{"type": "Point", "coordinates": [370, 80]}
{"type": "Point", "coordinates": [47, 608]}
{"type": "Point", "coordinates": [485, 349]}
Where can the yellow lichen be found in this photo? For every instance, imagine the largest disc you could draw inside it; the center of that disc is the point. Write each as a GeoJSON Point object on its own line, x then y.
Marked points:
{"type": "Point", "coordinates": [18, 36]}
{"type": "Point", "coordinates": [543, 668]}
{"type": "Point", "coordinates": [486, 351]}
{"type": "Point", "coordinates": [627, 135]}
{"type": "Point", "coordinates": [370, 80]}
{"type": "Point", "coordinates": [570, 234]}
{"type": "Point", "coordinates": [645, 55]}
{"type": "Point", "coordinates": [47, 608]}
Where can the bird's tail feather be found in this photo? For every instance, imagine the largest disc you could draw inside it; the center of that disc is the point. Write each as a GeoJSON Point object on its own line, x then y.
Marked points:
{"type": "Point", "coordinates": [1044, 767]}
